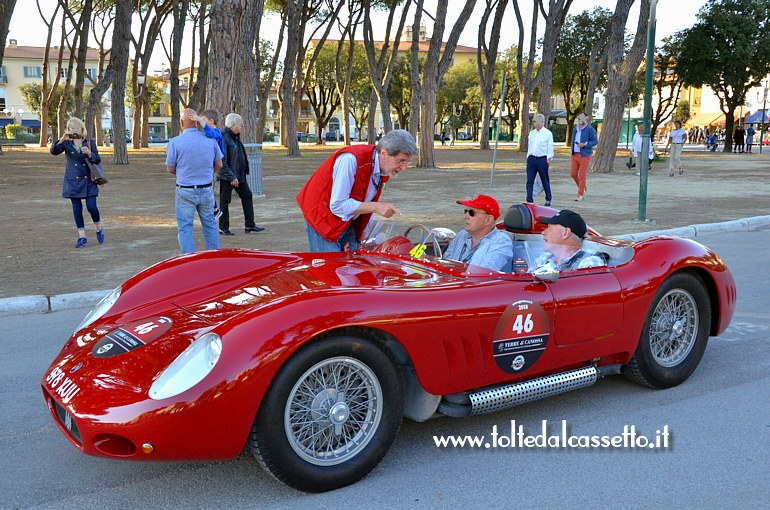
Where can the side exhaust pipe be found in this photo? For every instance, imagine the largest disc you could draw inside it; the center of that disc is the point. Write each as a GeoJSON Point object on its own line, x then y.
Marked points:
{"type": "Point", "coordinates": [503, 397]}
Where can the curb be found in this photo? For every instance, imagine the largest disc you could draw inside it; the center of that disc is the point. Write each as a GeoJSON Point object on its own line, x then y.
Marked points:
{"type": "Point", "coordinates": [44, 304]}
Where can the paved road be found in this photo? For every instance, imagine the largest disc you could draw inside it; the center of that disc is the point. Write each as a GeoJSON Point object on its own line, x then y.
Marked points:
{"type": "Point", "coordinates": [719, 422]}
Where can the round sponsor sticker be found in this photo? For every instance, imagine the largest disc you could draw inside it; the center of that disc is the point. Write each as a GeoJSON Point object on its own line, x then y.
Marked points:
{"type": "Point", "coordinates": [521, 337]}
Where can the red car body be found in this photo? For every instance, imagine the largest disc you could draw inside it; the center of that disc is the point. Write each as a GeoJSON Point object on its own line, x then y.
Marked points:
{"type": "Point", "coordinates": [450, 328]}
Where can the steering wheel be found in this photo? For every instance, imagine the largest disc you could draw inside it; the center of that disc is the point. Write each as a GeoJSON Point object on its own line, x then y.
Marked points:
{"type": "Point", "coordinates": [429, 236]}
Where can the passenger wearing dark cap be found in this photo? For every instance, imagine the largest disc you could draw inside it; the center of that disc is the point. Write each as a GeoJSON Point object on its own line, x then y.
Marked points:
{"type": "Point", "coordinates": [563, 238]}
{"type": "Point", "coordinates": [481, 244]}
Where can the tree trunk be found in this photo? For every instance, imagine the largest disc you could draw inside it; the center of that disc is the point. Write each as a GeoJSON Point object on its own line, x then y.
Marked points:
{"type": "Point", "coordinates": [371, 133]}
{"type": "Point", "coordinates": [266, 84]}
{"type": "Point", "coordinates": [179, 14]}
{"type": "Point", "coordinates": [286, 97]}
{"type": "Point", "coordinates": [84, 24]}
{"type": "Point", "coordinates": [529, 78]}
{"type": "Point", "coordinates": [486, 61]}
{"type": "Point", "coordinates": [381, 78]}
{"type": "Point", "coordinates": [247, 80]}
{"type": "Point", "coordinates": [554, 20]}
{"type": "Point", "coordinates": [225, 31]}
{"type": "Point", "coordinates": [6, 11]}
{"type": "Point", "coordinates": [436, 65]}
{"type": "Point", "coordinates": [121, 39]}
{"type": "Point", "coordinates": [196, 98]}
{"type": "Point", "coordinates": [47, 91]}
{"type": "Point", "coordinates": [414, 72]}
{"type": "Point", "coordinates": [620, 73]}
{"type": "Point", "coordinates": [67, 83]}
{"type": "Point", "coordinates": [93, 112]}
{"type": "Point", "coordinates": [596, 63]}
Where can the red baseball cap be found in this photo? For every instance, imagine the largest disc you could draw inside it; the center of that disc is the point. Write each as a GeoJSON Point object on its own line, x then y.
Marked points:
{"type": "Point", "coordinates": [484, 202]}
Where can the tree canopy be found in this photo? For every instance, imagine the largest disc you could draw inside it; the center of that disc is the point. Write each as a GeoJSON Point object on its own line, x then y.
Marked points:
{"type": "Point", "coordinates": [727, 50]}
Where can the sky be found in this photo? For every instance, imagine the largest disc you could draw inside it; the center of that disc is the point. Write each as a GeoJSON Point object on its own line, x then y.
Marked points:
{"type": "Point", "coordinates": [672, 15]}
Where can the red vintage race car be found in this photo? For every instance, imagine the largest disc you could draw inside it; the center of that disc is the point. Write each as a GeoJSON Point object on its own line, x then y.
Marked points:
{"type": "Point", "coordinates": [313, 359]}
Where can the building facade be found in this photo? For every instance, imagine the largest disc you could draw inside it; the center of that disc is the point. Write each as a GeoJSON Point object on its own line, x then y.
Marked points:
{"type": "Point", "coordinates": [24, 64]}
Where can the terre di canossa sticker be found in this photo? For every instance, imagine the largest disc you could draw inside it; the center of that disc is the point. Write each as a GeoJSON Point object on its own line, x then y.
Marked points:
{"type": "Point", "coordinates": [130, 336]}
{"type": "Point", "coordinates": [521, 337]}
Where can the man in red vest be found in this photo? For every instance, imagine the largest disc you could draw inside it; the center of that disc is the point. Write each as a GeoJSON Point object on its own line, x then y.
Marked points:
{"type": "Point", "coordinates": [341, 195]}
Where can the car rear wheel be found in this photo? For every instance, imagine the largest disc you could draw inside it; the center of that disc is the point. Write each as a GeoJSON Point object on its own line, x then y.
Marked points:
{"type": "Point", "coordinates": [675, 334]}
{"type": "Point", "coordinates": [330, 415]}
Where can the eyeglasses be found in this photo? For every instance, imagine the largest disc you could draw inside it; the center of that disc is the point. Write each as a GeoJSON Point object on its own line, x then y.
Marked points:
{"type": "Point", "coordinates": [472, 213]}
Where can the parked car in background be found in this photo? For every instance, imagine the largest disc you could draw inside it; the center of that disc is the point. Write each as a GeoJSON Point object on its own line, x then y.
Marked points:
{"type": "Point", "coordinates": [464, 136]}
{"type": "Point", "coordinates": [128, 139]}
{"type": "Point", "coordinates": [156, 139]}
{"type": "Point", "coordinates": [307, 137]}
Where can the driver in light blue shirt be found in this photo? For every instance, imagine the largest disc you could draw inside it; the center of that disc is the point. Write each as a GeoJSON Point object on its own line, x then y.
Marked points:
{"type": "Point", "coordinates": [481, 243]}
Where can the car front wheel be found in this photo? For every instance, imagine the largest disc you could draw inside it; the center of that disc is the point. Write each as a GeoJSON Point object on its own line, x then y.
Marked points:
{"type": "Point", "coordinates": [675, 334]}
{"type": "Point", "coordinates": [330, 415]}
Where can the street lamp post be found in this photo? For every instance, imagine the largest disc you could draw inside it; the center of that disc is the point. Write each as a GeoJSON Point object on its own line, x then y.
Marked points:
{"type": "Point", "coordinates": [764, 116]}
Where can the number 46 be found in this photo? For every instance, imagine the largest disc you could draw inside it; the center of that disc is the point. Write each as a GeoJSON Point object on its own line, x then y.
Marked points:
{"type": "Point", "coordinates": [522, 324]}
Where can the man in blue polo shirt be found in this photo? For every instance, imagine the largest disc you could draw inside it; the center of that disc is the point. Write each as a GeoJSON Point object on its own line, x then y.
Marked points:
{"type": "Point", "coordinates": [194, 159]}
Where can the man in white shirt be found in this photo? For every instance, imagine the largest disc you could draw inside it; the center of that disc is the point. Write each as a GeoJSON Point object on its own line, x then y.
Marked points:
{"type": "Point", "coordinates": [539, 156]}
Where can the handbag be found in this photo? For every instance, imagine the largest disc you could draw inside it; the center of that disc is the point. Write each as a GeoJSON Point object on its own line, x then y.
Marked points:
{"type": "Point", "coordinates": [98, 176]}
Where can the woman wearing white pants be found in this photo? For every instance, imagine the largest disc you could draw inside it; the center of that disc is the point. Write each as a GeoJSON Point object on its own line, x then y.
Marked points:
{"type": "Point", "coordinates": [676, 140]}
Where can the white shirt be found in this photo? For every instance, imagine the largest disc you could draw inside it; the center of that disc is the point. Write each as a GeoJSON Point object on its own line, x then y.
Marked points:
{"type": "Point", "coordinates": [678, 135]}
{"type": "Point", "coordinates": [540, 143]}
{"type": "Point", "coordinates": [343, 177]}
{"type": "Point", "coordinates": [636, 145]}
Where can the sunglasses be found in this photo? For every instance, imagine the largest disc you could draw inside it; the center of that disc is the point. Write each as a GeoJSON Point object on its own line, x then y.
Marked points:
{"type": "Point", "coordinates": [472, 213]}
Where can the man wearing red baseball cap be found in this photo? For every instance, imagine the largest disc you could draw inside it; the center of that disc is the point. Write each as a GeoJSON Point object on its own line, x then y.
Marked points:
{"type": "Point", "coordinates": [563, 238]}
{"type": "Point", "coordinates": [481, 244]}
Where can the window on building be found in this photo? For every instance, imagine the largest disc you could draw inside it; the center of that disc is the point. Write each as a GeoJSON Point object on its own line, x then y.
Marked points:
{"type": "Point", "coordinates": [33, 71]}
{"type": "Point", "coordinates": [63, 73]}
{"type": "Point", "coordinates": [3, 76]}
{"type": "Point", "coordinates": [2, 100]}
{"type": "Point", "coordinates": [91, 72]}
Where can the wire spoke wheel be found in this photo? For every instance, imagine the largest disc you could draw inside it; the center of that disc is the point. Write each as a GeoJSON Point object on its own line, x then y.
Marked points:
{"type": "Point", "coordinates": [674, 328]}
{"type": "Point", "coordinates": [333, 411]}
{"type": "Point", "coordinates": [675, 333]}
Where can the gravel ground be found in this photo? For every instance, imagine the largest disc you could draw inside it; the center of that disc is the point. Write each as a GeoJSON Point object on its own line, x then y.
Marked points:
{"type": "Point", "coordinates": [137, 206]}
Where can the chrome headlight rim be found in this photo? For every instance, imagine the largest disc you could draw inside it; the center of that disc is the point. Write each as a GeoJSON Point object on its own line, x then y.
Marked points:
{"type": "Point", "coordinates": [189, 368]}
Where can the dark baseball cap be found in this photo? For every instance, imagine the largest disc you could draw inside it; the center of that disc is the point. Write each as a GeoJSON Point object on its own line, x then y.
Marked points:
{"type": "Point", "coordinates": [567, 218]}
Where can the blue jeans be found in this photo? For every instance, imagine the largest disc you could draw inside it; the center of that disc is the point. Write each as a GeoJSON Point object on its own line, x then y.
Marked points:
{"type": "Point", "coordinates": [319, 244]}
{"type": "Point", "coordinates": [189, 200]}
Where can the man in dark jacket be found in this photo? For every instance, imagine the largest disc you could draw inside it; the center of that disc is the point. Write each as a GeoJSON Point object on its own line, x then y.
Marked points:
{"type": "Point", "coordinates": [232, 176]}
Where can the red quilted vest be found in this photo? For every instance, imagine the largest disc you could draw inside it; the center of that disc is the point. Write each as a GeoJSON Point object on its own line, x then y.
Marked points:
{"type": "Point", "coordinates": [315, 196]}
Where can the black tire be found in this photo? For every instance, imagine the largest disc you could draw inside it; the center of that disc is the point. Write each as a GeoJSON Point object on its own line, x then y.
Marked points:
{"type": "Point", "coordinates": [675, 333]}
{"type": "Point", "coordinates": [343, 378]}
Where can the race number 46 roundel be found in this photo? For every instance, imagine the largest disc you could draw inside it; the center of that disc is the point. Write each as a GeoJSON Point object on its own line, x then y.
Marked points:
{"type": "Point", "coordinates": [521, 336]}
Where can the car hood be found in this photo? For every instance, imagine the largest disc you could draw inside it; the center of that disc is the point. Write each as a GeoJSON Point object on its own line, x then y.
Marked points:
{"type": "Point", "coordinates": [216, 285]}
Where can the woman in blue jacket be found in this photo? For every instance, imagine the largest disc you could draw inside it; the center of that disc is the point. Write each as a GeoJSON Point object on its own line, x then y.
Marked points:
{"type": "Point", "coordinates": [77, 179]}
